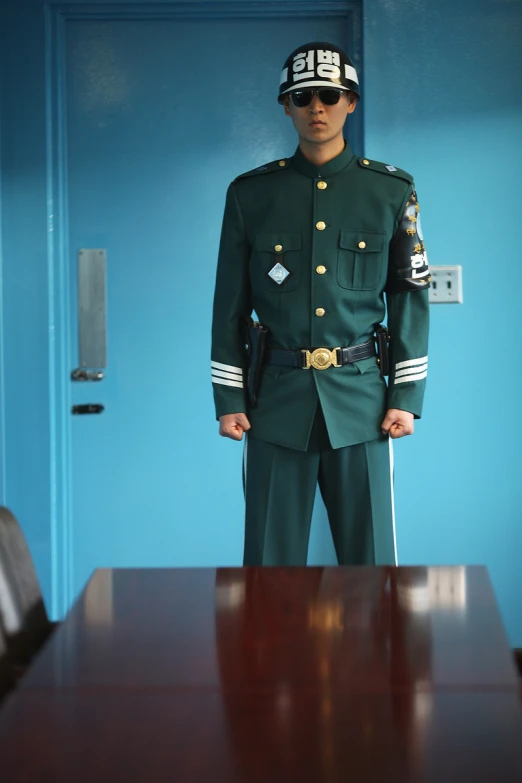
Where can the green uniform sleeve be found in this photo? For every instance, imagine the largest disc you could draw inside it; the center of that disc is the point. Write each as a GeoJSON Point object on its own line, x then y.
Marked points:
{"type": "Point", "coordinates": [408, 310]}
{"type": "Point", "coordinates": [232, 302]}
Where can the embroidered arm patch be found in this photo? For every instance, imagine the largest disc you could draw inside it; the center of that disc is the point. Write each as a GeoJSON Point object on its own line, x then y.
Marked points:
{"type": "Point", "coordinates": [408, 261]}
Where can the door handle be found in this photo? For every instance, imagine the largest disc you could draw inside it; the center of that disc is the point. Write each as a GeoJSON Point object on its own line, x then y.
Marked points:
{"type": "Point", "coordinates": [89, 408]}
{"type": "Point", "coordinates": [86, 375]}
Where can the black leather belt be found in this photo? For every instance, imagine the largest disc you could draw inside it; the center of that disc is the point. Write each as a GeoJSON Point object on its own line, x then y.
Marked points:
{"type": "Point", "coordinates": [321, 358]}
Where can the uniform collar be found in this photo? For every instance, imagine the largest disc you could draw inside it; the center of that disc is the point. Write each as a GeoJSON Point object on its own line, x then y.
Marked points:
{"type": "Point", "coordinates": [333, 166]}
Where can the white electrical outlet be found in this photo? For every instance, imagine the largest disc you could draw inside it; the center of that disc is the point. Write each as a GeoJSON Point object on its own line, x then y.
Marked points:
{"type": "Point", "coordinates": [446, 285]}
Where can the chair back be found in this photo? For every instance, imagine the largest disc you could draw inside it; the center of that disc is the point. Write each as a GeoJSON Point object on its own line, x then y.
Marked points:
{"type": "Point", "coordinates": [22, 610]}
{"type": "Point", "coordinates": [6, 673]}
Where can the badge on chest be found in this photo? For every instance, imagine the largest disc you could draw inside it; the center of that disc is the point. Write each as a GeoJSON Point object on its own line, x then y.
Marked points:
{"type": "Point", "coordinates": [279, 274]}
{"type": "Point", "coordinates": [275, 261]}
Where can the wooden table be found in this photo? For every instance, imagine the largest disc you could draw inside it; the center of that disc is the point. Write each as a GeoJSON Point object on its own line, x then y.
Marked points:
{"type": "Point", "coordinates": [271, 674]}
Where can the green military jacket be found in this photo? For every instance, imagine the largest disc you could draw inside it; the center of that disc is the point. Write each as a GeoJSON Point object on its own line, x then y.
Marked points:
{"type": "Point", "coordinates": [348, 240]}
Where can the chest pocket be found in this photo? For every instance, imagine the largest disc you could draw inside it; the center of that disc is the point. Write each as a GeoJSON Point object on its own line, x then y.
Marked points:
{"type": "Point", "coordinates": [360, 260]}
{"type": "Point", "coordinates": [265, 258]}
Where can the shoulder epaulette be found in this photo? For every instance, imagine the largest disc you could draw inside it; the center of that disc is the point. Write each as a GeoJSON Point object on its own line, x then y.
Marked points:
{"type": "Point", "coordinates": [384, 168]}
{"type": "Point", "coordinates": [275, 165]}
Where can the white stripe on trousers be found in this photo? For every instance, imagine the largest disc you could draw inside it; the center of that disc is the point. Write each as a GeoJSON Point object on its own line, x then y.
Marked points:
{"type": "Point", "coordinates": [245, 457]}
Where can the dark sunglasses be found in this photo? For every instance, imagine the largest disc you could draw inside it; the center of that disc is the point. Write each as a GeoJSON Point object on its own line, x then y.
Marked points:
{"type": "Point", "coordinates": [327, 95]}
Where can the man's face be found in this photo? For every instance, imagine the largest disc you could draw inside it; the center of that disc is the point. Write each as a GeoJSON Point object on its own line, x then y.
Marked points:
{"type": "Point", "coordinates": [319, 123]}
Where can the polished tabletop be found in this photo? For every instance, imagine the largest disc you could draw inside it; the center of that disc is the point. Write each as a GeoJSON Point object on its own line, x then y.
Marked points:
{"type": "Point", "coordinates": [364, 629]}
{"type": "Point", "coordinates": [272, 674]}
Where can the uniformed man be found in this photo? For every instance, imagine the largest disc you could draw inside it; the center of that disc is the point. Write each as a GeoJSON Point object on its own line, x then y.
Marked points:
{"type": "Point", "coordinates": [322, 246]}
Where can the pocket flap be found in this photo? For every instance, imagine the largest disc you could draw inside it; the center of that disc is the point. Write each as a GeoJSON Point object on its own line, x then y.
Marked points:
{"type": "Point", "coordinates": [361, 241]}
{"type": "Point", "coordinates": [287, 241]}
{"type": "Point", "coordinates": [365, 364]}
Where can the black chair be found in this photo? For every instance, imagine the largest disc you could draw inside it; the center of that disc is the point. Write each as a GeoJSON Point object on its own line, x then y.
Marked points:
{"type": "Point", "coordinates": [22, 610]}
{"type": "Point", "coordinates": [7, 679]}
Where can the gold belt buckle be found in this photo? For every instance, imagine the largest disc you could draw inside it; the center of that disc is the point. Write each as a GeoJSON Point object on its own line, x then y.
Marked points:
{"type": "Point", "coordinates": [321, 358]}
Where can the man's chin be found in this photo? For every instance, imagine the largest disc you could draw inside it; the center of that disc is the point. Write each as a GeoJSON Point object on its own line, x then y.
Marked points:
{"type": "Point", "coordinates": [319, 138]}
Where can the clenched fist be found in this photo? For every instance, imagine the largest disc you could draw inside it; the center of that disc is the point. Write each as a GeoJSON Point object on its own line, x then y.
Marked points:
{"type": "Point", "coordinates": [397, 423]}
{"type": "Point", "coordinates": [233, 425]}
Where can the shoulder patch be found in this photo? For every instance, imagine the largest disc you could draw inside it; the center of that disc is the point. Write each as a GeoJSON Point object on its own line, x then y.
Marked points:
{"type": "Point", "coordinates": [385, 168]}
{"type": "Point", "coordinates": [275, 165]}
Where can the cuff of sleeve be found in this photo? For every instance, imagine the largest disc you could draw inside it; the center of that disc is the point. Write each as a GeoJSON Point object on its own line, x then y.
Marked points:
{"type": "Point", "coordinates": [231, 401]}
{"type": "Point", "coordinates": [405, 399]}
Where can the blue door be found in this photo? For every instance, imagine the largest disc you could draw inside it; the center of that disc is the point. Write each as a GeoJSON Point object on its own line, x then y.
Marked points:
{"type": "Point", "coordinates": [153, 113]}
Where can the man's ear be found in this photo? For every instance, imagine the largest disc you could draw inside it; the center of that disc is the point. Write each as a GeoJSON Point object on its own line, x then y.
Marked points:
{"type": "Point", "coordinates": [352, 103]}
{"type": "Point", "coordinates": [285, 106]}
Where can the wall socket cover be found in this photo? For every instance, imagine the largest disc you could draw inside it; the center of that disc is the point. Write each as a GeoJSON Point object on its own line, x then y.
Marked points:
{"type": "Point", "coordinates": [446, 285]}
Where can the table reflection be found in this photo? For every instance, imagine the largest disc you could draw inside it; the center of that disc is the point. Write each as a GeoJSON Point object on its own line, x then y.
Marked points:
{"type": "Point", "coordinates": [315, 643]}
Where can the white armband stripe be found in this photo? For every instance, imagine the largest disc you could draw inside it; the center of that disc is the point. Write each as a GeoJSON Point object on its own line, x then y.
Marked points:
{"type": "Point", "coordinates": [230, 375]}
{"type": "Point", "coordinates": [411, 377]}
{"type": "Point", "coordinates": [411, 370]}
{"type": "Point", "coordinates": [229, 367]}
{"type": "Point", "coordinates": [226, 382]}
{"type": "Point", "coordinates": [411, 363]}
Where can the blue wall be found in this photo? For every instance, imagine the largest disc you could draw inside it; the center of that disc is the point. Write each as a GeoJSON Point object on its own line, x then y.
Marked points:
{"type": "Point", "coordinates": [444, 101]}
{"type": "Point", "coordinates": [26, 325]}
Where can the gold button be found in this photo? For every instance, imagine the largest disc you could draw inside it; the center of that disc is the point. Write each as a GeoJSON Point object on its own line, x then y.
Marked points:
{"type": "Point", "coordinates": [366, 162]}
{"type": "Point", "coordinates": [320, 311]}
{"type": "Point", "coordinates": [282, 163]}
{"type": "Point", "coordinates": [320, 226]}
{"type": "Point", "coordinates": [320, 269]}
{"type": "Point", "coordinates": [322, 185]}
{"type": "Point", "coordinates": [362, 245]}
{"type": "Point", "coordinates": [278, 248]}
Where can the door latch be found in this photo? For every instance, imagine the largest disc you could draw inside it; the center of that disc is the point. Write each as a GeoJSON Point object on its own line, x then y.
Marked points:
{"type": "Point", "coordinates": [91, 407]}
{"type": "Point", "coordinates": [86, 375]}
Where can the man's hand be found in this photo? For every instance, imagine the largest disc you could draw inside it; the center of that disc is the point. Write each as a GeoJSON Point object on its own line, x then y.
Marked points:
{"type": "Point", "coordinates": [232, 425]}
{"type": "Point", "coordinates": [397, 423]}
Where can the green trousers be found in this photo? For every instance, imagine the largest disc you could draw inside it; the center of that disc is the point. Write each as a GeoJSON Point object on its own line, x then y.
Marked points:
{"type": "Point", "coordinates": [356, 484]}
